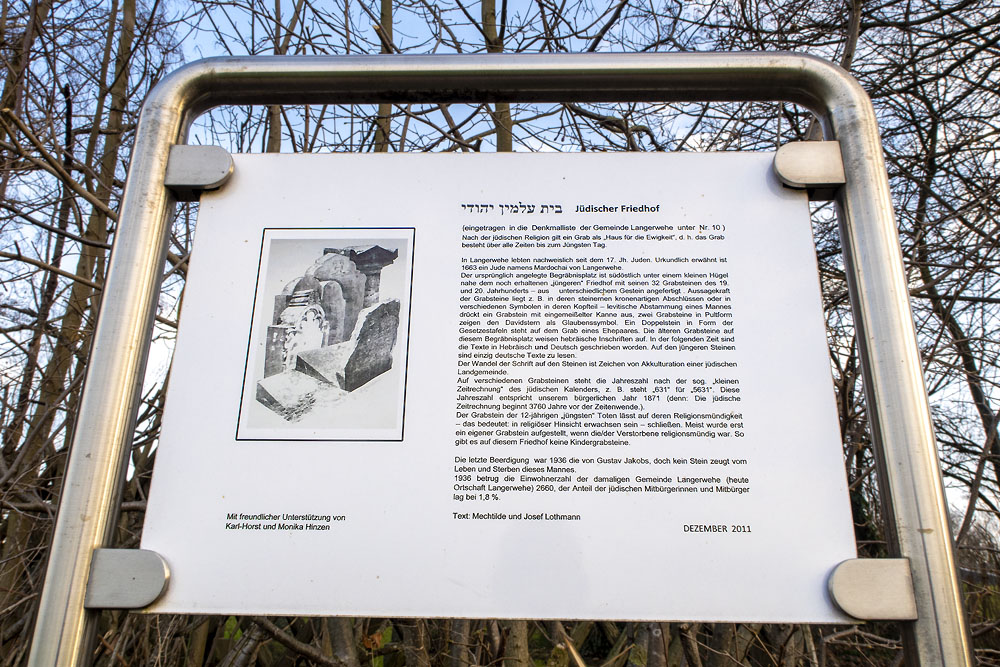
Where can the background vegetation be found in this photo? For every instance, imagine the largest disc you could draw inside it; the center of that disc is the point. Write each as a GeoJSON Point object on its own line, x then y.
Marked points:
{"type": "Point", "coordinates": [74, 77]}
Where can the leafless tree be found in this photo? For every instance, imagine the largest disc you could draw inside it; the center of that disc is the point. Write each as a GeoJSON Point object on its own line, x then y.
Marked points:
{"type": "Point", "coordinates": [75, 77]}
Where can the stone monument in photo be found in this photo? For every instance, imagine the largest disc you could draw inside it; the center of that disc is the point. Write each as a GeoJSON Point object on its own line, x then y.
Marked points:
{"type": "Point", "coordinates": [330, 330]}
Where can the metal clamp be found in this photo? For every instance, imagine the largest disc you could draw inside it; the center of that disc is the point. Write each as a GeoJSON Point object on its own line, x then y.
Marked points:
{"type": "Point", "coordinates": [194, 169]}
{"type": "Point", "coordinates": [874, 589]}
{"type": "Point", "coordinates": [126, 579]}
{"type": "Point", "coordinates": [814, 166]}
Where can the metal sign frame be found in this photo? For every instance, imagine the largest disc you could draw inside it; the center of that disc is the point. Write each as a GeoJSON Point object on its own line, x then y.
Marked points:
{"type": "Point", "coordinates": [909, 474]}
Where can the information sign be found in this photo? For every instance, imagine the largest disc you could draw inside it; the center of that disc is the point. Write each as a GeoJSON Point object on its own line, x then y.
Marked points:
{"type": "Point", "coordinates": [522, 386]}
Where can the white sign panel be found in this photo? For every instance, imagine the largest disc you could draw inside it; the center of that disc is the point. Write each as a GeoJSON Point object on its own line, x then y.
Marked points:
{"type": "Point", "coordinates": [523, 386]}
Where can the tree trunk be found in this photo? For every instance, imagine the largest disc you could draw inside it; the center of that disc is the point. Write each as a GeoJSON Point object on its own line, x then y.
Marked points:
{"type": "Point", "coordinates": [342, 644]}
{"type": "Point", "coordinates": [415, 642]}
{"type": "Point", "coordinates": [383, 124]}
{"type": "Point", "coordinates": [17, 65]}
{"type": "Point", "coordinates": [515, 652]}
{"type": "Point", "coordinates": [459, 643]}
{"type": "Point", "coordinates": [12, 436]}
{"type": "Point", "coordinates": [494, 44]}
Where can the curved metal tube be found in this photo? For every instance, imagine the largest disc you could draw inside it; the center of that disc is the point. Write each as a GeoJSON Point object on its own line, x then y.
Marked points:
{"type": "Point", "coordinates": [910, 479]}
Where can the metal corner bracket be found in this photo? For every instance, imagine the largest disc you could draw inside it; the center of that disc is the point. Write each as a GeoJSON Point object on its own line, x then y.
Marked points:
{"type": "Point", "coordinates": [874, 589]}
{"type": "Point", "coordinates": [126, 579]}
{"type": "Point", "coordinates": [194, 169]}
{"type": "Point", "coordinates": [814, 166]}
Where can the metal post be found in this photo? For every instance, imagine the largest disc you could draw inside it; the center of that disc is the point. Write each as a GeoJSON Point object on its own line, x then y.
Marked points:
{"type": "Point", "coordinates": [910, 479]}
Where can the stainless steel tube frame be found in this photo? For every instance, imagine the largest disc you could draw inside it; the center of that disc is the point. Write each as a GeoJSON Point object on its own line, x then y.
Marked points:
{"type": "Point", "coordinates": [910, 477]}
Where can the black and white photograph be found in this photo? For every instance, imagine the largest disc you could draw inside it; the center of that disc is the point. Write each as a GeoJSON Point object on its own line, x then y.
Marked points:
{"type": "Point", "coordinates": [327, 349]}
